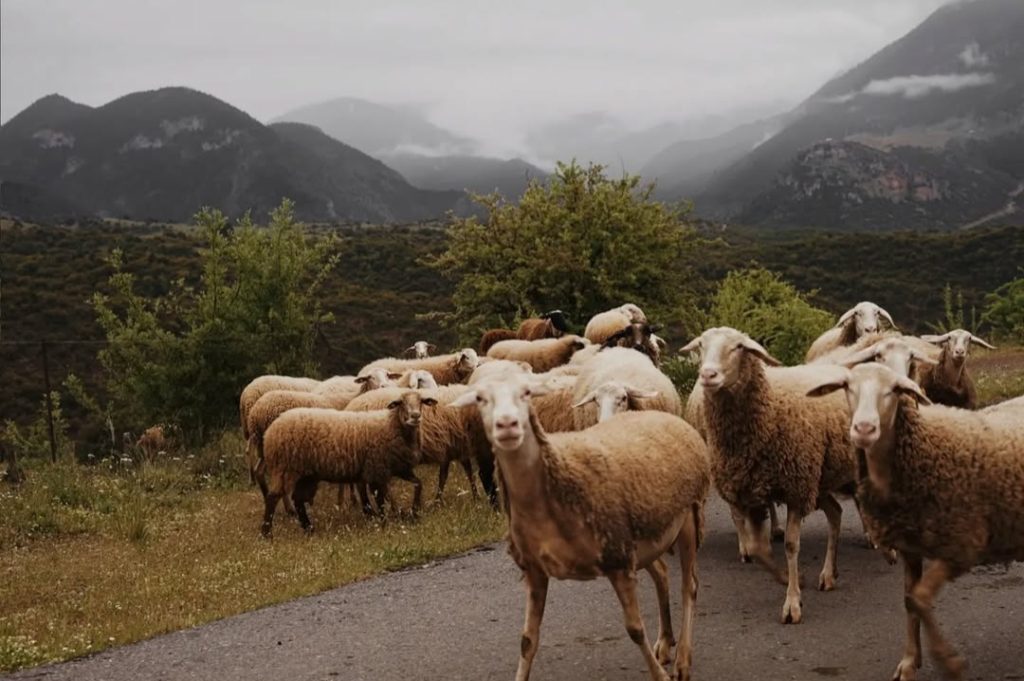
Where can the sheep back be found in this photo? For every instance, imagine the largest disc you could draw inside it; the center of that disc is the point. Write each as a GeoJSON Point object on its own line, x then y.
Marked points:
{"type": "Point", "coordinates": [492, 336]}
{"type": "Point", "coordinates": [543, 355]}
{"type": "Point", "coordinates": [630, 367]}
{"type": "Point", "coordinates": [264, 384]}
{"type": "Point", "coordinates": [603, 325]}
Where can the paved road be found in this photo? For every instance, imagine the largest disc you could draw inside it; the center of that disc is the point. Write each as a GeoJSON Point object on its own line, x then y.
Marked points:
{"type": "Point", "coordinates": [460, 619]}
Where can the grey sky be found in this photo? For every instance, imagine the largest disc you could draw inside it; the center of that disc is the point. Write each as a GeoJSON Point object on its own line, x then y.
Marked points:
{"type": "Point", "coordinates": [487, 69]}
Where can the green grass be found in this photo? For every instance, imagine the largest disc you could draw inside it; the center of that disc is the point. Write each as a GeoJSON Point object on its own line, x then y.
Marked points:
{"type": "Point", "coordinates": [998, 374]}
{"type": "Point", "coordinates": [102, 555]}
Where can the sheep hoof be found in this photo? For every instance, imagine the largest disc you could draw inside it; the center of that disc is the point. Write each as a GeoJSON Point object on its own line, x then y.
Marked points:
{"type": "Point", "coordinates": [954, 665]}
{"type": "Point", "coordinates": [663, 651]}
{"type": "Point", "coordinates": [791, 612]}
{"type": "Point", "coordinates": [744, 558]}
{"type": "Point", "coordinates": [906, 670]}
{"type": "Point", "coordinates": [826, 582]}
{"type": "Point", "coordinates": [890, 556]}
{"type": "Point", "coordinates": [778, 535]}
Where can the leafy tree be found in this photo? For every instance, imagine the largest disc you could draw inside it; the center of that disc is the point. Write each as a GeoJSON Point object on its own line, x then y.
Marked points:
{"type": "Point", "coordinates": [770, 310]}
{"type": "Point", "coordinates": [184, 357]}
{"type": "Point", "coordinates": [581, 243]}
{"type": "Point", "coordinates": [953, 313]}
{"type": "Point", "coordinates": [33, 441]}
{"type": "Point", "coordinates": [1004, 309]}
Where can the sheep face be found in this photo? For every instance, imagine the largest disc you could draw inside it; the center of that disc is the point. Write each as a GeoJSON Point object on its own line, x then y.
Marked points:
{"type": "Point", "coordinates": [866, 316]}
{"type": "Point", "coordinates": [422, 380]}
{"type": "Point", "coordinates": [872, 392]}
{"type": "Point", "coordinates": [721, 352]}
{"type": "Point", "coordinates": [409, 407]}
{"type": "Point", "coordinates": [635, 314]}
{"type": "Point", "coordinates": [957, 343]}
{"type": "Point", "coordinates": [891, 352]}
{"type": "Point", "coordinates": [467, 361]}
{"type": "Point", "coordinates": [504, 409]}
{"type": "Point", "coordinates": [637, 336]}
{"type": "Point", "coordinates": [420, 349]}
{"type": "Point", "coordinates": [614, 398]}
{"type": "Point", "coordinates": [377, 378]}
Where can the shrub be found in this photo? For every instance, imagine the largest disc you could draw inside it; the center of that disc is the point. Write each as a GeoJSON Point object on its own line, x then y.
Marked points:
{"type": "Point", "coordinates": [1004, 310]}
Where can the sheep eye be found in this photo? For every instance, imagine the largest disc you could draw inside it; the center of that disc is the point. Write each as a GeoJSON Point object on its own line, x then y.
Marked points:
{"type": "Point", "coordinates": [526, 393]}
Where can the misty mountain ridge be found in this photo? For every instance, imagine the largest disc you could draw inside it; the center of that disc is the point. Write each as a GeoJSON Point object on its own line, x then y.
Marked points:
{"type": "Point", "coordinates": [165, 153]}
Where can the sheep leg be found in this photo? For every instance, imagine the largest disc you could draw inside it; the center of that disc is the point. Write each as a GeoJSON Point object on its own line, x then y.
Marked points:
{"type": "Point", "coordinates": [485, 471]}
{"type": "Point", "coordinates": [417, 495]}
{"type": "Point", "coordinates": [686, 544]}
{"type": "Point", "coordinates": [906, 670]}
{"type": "Point", "coordinates": [380, 494]}
{"type": "Point", "coordinates": [300, 511]}
{"type": "Point", "coordinates": [759, 546]}
{"type": "Point", "coordinates": [919, 602]}
{"type": "Point", "coordinates": [658, 571]}
{"type": "Point", "coordinates": [467, 466]}
{"type": "Point", "coordinates": [537, 594]}
{"type": "Point", "coordinates": [739, 519]}
{"type": "Point", "coordinates": [269, 506]}
{"type": "Point", "coordinates": [364, 498]}
{"type": "Point", "coordinates": [791, 608]}
{"type": "Point", "coordinates": [778, 533]}
{"type": "Point", "coordinates": [624, 583]}
{"type": "Point", "coordinates": [442, 480]}
{"type": "Point", "coordinates": [834, 513]}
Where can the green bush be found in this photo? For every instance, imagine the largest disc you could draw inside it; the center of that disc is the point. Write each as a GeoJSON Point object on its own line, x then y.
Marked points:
{"type": "Point", "coordinates": [1004, 310]}
{"type": "Point", "coordinates": [770, 310]}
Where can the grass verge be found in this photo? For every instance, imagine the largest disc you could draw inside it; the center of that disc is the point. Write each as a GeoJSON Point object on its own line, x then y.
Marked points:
{"type": "Point", "coordinates": [91, 558]}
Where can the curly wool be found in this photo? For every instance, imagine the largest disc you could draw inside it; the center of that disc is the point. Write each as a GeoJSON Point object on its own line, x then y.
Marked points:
{"type": "Point", "coordinates": [542, 355]}
{"type": "Point", "coordinates": [631, 368]}
{"type": "Point", "coordinates": [771, 443]}
{"type": "Point", "coordinates": [275, 403]}
{"type": "Point", "coordinates": [264, 384]}
{"type": "Point", "coordinates": [957, 485]}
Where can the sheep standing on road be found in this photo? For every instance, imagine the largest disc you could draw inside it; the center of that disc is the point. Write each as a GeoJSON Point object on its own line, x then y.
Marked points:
{"type": "Point", "coordinates": [861, 319]}
{"type": "Point", "coordinates": [306, 446]}
{"type": "Point", "coordinates": [770, 443]}
{"type": "Point", "coordinates": [619, 380]}
{"type": "Point", "coordinates": [941, 484]}
{"type": "Point", "coordinates": [950, 383]}
{"type": "Point", "coordinates": [603, 502]}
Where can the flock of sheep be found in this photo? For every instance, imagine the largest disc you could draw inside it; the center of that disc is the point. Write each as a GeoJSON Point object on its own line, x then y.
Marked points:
{"type": "Point", "coordinates": [602, 469]}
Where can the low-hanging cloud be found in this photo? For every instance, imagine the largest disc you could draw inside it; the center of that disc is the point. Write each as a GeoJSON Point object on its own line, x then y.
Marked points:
{"type": "Point", "coordinates": [913, 87]}
{"type": "Point", "coordinates": [972, 56]}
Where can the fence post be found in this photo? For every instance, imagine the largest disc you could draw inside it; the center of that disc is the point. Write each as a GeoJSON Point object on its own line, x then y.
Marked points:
{"type": "Point", "coordinates": [49, 403]}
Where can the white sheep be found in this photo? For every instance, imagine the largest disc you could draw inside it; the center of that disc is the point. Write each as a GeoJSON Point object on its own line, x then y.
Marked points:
{"type": "Point", "coordinates": [542, 355]}
{"type": "Point", "coordinates": [306, 446]}
{"type": "Point", "coordinates": [602, 502]}
{"type": "Point", "coordinates": [420, 349]}
{"type": "Point", "coordinates": [604, 324]}
{"type": "Point", "coordinates": [864, 317]}
{"type": "Point", "coordinates": [619, 379]}
{"type": "Point", "coordinates": [417, 379]}
{"type": "Point", "coordinates": [770, 443]}
{"type": "Point", "coordinates": [950, 383]}
{"type": "Point", "coordinates": [446, 369]}
{"type": "Point", "coordinates": [264, 384]}
{"type": "Point", "coordinates": [941, 484]}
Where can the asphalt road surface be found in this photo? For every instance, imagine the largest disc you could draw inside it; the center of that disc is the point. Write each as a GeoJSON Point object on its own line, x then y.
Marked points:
{"type": "Point", "coordinates": [461, 619]}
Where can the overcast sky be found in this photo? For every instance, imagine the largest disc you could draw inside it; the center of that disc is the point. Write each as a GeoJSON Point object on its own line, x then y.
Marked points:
{"type": "Point", "coordinates": [488, 69]}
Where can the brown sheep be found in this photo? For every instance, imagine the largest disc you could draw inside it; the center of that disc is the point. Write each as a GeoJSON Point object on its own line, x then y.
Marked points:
{"type": "Point", "coordinates": [489, 338]}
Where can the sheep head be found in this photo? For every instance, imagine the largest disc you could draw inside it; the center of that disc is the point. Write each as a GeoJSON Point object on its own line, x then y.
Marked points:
{"type": "Point", "coordinates": [638, 336]}
{"type": "Point", "coordinates": [409, 408]}
{"type": "Point", "coordinates": [420, 349]}
{"type": "Point", "coordinates": [615, 397]}
{"type": "Point", "coordinates": [865, 316]}
{"type": "Point", "coordinates": [420, 379]}
{"type": "Point", "coordinates": [891, 352]}
{"type": "Point", "coordinates": [722, 350]}
{"type": "Point", "coordinates": [377, 378]}
{"type": "Point", "coordinates": [872, 393]}
{"type": "Point", "coordinates": [957, 343]}
{"type": "Point", "coordinates": [504, 407]}
{"type": "Point", "coordinates": [635, 314]}
{"type": "Point", "coordinates": [557, 319]}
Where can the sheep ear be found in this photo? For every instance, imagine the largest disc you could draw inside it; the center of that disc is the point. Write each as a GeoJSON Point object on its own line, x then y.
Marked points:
{"type": "Point", "coordinates": [888, 317]}
{"type": "Point", "coordinates": [830, 386]}
{"type": "Point", "coordinates": [924, 359]}
{"type": "Point", "coordinates": [978, 341]}
{"type": "Point", "coordinates": [394, 404]}
{"type": "Point", "coordinates": [865, 355]}
{"type": "Point", "coordinates": [690, 347]}
{"type": "Point", "coordinates": [587, 399]}
{"type": "Point", "coordinates": [538, 388]}
{"type": "Point", "coordinates": [638, 394]}
{"type": "Point", "coordinates": [393, 376]}
{"type": "Point", "coordinates": [908, 387]}
{"type": "Point", "coordinates": [579, 344]}
{"type": "Point", "coordinates": [751, 345]}
{"type": "Point", "coordinates": [846, 316]}
{"type": "Point", "coordinates": [362, 379]}
{"type": "Point", "coordinates": [465, 400]}
{"type": "Point", "coordinates": [935, 340]}
{"type": "Point", "coordinates": [429, 401]}
{"type": "Point", "coordinates": [431, 347]}
{"type": "Point", "coordinates": [661, 342]}
{"type": "Point", "coordinates": [409, 350]}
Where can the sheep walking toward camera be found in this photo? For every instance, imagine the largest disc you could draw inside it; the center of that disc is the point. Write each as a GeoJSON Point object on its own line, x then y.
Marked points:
{"type": "Point", "coordinates": [420, 350]}
{"type": "Point", "coordinates": [603, 502]}
{"type": "Point", "coordinates": [542, 355]}
{"type": "Point", "coordinates": [950, 382]}
{"type": "Point", "coordinates": [941, 484]}
{"type": "Point", "coordinates": [770, 443]}
{"type": "Point", "coordinates": [306, 446]}
{"type": "Point", "coordinates": [861, 319]}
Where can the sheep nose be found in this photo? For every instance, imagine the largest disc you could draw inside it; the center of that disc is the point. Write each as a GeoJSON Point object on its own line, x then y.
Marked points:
{"type": "Point", "coordinates": [507, 422]}
{"type": "Point", "coordinates": [864, 428]}
{"type": "Point", "coordinates": [870, 329]}
{"type": "Point", "coordinates": [708, 374]}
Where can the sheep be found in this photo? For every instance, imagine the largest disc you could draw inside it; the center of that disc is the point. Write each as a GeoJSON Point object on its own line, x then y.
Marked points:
{"type": "Point", "coordinates": [446, 435]}
{"type": "Point", "coordinates": [153, 441]}
{"type": "Point", "coordinates": [640, 337]}
{"type": "Point", "coordinates": [769, 443]}
{"type": "Point", "coordinates": [452, 368]}
{"type": "Point", "coordinates": [305, 446]}
{"type": "Point", "coordinates": [263, 384]}
{"type": "Point", "coordinates": [417, 379]}
{"type": "Point", "coordinates": [498, 368]}
{"type": "Point", "coordinates": [603, 502]}
{"type": "Point", "coordinates": [492, 336]}
{"type": "Point", "coordinates": [420, 349]}
{"type": "Point", "coordinates": [549, 325]}
{"type": "Point", "coordinates": [860, 319]}
{"type": "Point", "coordinates": [604, 324]}
{"type": "Point", "coordinates": [619, 380]}
{"type": "Point", "coordinates": [939, 483]}
{"type": "Point", "coordinates": [542, 355]}
{"type": "Point", "coordinates": [950, 383]}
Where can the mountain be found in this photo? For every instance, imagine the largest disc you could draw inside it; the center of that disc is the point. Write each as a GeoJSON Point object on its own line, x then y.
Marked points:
{"type": "Point", "coordinates": [476, 174]}
{"type": "Point", "coordinates": [165, 153]}
{"type": "Point", "coordinates": [954, 82]}
{"type": "Point", "coordinates": [376, 129]}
